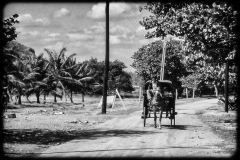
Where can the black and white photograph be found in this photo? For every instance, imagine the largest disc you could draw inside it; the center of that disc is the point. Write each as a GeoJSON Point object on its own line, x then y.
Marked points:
{"type": "Point", "coordinates": [119, 79]}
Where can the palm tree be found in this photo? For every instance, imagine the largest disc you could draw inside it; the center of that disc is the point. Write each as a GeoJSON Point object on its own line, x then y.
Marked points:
{"type": "Point", "coordinates": [19, 78]}
{"type": "Point", "coordinates": [36, 85]}
{"type": "Point", "coordinates": [59, 72]}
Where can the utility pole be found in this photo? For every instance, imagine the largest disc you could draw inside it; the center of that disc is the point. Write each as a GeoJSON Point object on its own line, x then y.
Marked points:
{"type": "Point", "coordinates": [104, 104]}
{"type": "Point", "coordinates": [167, 39]}
{"type": "Point", "coordinates": [226, 87]}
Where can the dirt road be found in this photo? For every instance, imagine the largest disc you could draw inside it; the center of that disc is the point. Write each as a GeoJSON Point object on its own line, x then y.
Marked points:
{"type": "Point", "coordinates": [125, 136]}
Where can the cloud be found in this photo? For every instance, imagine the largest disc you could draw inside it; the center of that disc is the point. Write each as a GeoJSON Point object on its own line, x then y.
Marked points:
{"type": "Point", "coordinates": [98, 11]}
{"type": "Point", "coordinates": [61, 13]}
{"type": "Point", "coordinates": [114, 40]}
{"type": "Point", "coordinates": [98, 29]}
{"type": "Point", "coordinates": [53, 35]}
{"type": "Point", "coordinates": [34, 33]}
{"type": "Point", "coordinates": [140, 29]}
{"type": "Point", "coordinates": [115, 9]}
{"type": "Point", "coordinates": [27, 19]}
{"type": "Point", "coordinates": [79, 36]}
{"type": "Point", "coordinates": [119, 30]}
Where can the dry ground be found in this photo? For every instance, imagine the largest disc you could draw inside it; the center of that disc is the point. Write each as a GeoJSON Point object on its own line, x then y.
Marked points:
{"type": "Point", "coordinates": [40, 126]}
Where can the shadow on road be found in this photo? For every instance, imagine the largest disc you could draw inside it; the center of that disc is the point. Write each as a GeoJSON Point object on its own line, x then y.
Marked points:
{"type": "Point", "coordinates": [130, 149]}
{"type": "Point", "coordinates": [47, 137]}
{"type": "Point", "coordinates": [180, 127]}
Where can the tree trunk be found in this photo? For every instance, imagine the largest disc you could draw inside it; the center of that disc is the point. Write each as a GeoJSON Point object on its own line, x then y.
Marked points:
{"type": "Point", "coordinates": [83, 97]}
{"type": "Point", "coordinates": [71, 96]}
{"type": "Point", "coordinates": [38, 96]}
{"type": "Point", "coordinates": [186, 92]}
{"type": "Point", "coordinates": [28, 99]}
{"type": "Point", "coordinates": [193, 92]}
{"type": "Point", "coordinates": [216, 90]}
{"type": "Point", "coordinates": [55, 98]}
{"type": "Point", "coordinates": [19, 99]}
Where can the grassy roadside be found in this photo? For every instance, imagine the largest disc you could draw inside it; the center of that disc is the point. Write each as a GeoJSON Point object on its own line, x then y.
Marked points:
{"type": "Point", "coordinates": [40, 126]}
{"type": "Point", "coordinates": [222, 124]}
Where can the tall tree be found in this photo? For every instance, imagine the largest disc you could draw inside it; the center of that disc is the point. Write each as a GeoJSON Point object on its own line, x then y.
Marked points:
{"type": "Point", "coordinates": [148, 59]}
{"type": "Point", "coordinates": [8, 33]}
{"type": "Point", "coordinates": [209, 28]}
{"type": "Point", "coordinates": [58, 72]}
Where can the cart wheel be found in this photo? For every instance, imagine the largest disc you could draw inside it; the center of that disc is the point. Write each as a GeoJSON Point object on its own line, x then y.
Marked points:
{"type": "Point", "coordinates": [144, 116]}
{"type": "Point", "coordinates": [174, 118]}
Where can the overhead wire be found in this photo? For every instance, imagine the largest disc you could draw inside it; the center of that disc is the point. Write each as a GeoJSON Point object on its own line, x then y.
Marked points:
{"type": "Point", "coordinates": [129, 16]}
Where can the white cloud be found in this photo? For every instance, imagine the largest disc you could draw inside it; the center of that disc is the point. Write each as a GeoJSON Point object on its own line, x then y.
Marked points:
{"type": "Point", "coordinates": [79, 36]}
{"type": "Point", "coordinates": [34, 33]}
{"type": "Point", "coordinates": [60, 13]}
{"type": "Point", "coordinates": [114, 40]}
{"type": "Point", "coordinates": [98, 11]}
{"type": "Point", "coordinates": [98, 29]}
{"type": "Point", "coordinates": [25, 18]}
{"type": "Point", "coordinates": [28, 19]}
{"type": "Point", "coordinates": [53, 35]}
{"type": "Point", "coordinates": [140, 29]}
{"type": "Point", "coordinates": [119, 29]}
{"type": "Point", "coordinates": [115, 9]}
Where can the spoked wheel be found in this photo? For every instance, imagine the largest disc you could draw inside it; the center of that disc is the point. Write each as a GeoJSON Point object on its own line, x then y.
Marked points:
{"type": "Point", "coordinates": [171, 112]}
{"type": "Point", "coordinates": [144, 116]}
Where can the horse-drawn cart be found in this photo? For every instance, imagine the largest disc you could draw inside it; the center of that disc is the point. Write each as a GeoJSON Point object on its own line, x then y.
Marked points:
{"type": "Point", "coordinates": [169, 98]}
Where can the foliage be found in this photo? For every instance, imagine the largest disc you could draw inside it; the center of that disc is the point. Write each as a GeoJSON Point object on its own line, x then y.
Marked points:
{"type": "Point", "coordinates": [118, 78]}
{"type": "Point", "coordinates": [147, 62]}
{"type": "Point", "coordinates": [210, 31]}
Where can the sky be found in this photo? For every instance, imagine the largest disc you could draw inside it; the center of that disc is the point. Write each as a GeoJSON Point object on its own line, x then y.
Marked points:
{"type": "Point", "coordinates": [80, 27]}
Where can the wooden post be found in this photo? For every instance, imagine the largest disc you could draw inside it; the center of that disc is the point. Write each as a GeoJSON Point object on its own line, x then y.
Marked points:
{"type": "Point", "coordinates": [140, 94]}
{"type": "Point", "coordinates": [186, 92]}
{"type": "Point", "coordinates": [104, 106]}
{"type": "Point", "coordinates": [120, 98]}
{"type": "Point", "coordinates": [226, 87]}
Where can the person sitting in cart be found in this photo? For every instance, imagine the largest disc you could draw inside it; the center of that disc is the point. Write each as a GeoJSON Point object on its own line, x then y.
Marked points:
{"type": "Point", "coordinates": [150, 95]}
{"type": "Point", "coordinates": [158, 105]}
{"type": "Point", "coordinates": [154, 84]}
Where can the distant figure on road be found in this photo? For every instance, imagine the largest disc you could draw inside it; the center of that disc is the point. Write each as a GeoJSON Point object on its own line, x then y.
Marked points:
{"type": "Point", "coordinates": [150, 95]}
{"type": "Point", "coordinates": [158, 105]}
{"type": "Point", "coordinates": [154, 84]}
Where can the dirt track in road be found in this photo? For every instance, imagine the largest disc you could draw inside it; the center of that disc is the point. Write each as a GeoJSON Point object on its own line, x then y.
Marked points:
{"type": "Point", "coordinates": [125, 136]}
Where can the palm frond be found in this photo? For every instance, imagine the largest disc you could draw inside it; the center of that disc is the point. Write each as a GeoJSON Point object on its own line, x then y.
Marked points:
{"type": "Point", "coordinates": [68, 58]}
{"type": "Point", "coordinates": [47, 66]}
{"type": "Point", "coordinates": [40, 83]}
{"type": "Point", "coordinates": [73, 66]}
{"type": "Point", "coordinates": [85, 79]}
{"type": "Point", "coordinates": [64, 73]}
{"type": "Point", "coordinates": [61, 52]}
{"type": "Point", "coordinates": [31, 75]}
{"type": "Point", "coordinates": [70, 80]}
{"type": "Point", "coordinates": [63, 88]}
{"type": "Point", "coordinates": [50, 53]}
{"type": "Point", "coordinates": [80, 69]}
{"type": "Point", "coordinates": [15, 81]}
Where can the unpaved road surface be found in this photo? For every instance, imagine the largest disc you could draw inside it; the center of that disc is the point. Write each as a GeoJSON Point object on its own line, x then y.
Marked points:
{"type": "Point", "coordinates": [125, 136]}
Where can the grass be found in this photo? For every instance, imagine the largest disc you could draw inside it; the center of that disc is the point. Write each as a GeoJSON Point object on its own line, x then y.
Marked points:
{"type": "Point", "coordinates": [38, 127]}
{"type": "Point", "coordinates": [222, 124]}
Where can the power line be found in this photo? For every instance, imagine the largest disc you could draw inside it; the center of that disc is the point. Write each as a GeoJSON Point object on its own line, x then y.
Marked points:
{"type": "Point", "coordinates": [130, 16]}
